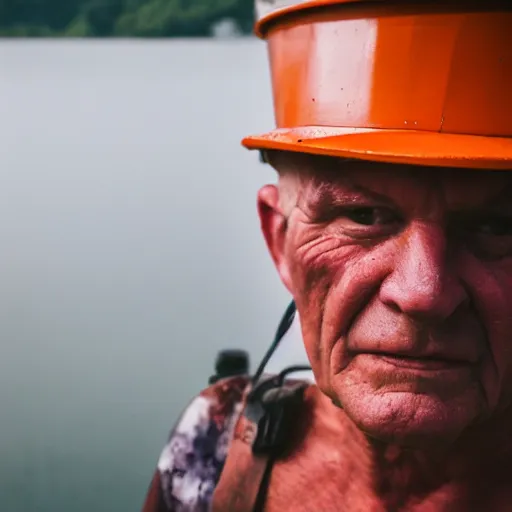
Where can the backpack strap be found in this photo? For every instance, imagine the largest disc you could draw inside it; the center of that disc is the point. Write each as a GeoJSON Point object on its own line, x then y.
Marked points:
{"type": "Point", "coordinates": [260, 437]}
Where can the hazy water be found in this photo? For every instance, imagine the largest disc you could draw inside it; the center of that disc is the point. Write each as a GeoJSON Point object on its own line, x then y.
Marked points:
{"type": "Point", "coordinates": [130, 254]}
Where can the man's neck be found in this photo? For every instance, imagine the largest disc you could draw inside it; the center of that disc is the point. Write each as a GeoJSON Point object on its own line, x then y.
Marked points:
{"type": "Point", "coordinates": [400, 473]}
{"type": "Point", "coordinates": [331, 462]}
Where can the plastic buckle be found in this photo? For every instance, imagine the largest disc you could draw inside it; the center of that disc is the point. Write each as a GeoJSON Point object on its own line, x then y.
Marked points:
{"type": "Point", "coordinates": [272, 407]}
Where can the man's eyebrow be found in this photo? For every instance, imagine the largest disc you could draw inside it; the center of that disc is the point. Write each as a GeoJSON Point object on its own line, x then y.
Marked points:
{"type": "Point", "coordinates": [502, 200]}
{"type": "Point", "coordinates": [343, 193]}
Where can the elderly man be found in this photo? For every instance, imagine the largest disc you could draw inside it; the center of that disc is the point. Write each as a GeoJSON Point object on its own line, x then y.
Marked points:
{"type": "Point", "coordinates": [391, 226]}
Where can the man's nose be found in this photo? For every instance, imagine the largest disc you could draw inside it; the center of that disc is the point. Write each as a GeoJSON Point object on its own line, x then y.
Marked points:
{"type": "Point", "coordinates": [424, 282]}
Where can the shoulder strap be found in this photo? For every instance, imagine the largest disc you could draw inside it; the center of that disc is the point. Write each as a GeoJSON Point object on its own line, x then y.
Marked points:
{"type": "Point", "coordinates": [260, 437]}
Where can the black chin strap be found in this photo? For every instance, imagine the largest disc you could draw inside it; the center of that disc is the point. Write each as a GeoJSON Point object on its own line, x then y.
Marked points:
{"type": "Point", "coordinates": [283, 328]}
{"type": "Point", "coordinates": [262, 434]}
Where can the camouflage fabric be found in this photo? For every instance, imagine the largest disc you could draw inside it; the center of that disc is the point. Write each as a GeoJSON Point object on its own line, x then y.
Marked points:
{"type": "Point", "coordinates": [192, 460]}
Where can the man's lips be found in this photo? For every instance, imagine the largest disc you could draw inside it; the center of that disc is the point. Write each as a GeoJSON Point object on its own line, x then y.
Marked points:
{"type": "Point", "coordinates": [420, 362]}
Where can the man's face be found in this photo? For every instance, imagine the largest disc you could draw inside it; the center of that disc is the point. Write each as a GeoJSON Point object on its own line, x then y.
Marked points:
{"type": "Point", "coordinates": [402, 277]}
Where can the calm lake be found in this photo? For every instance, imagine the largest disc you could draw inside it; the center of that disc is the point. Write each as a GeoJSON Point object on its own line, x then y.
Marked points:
{"type": "Point", "coordinates": [130, 254]}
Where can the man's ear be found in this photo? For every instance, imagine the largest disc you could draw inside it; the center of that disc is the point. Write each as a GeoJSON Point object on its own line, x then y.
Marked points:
{"type": "Point", "coordinates": [274, 225]}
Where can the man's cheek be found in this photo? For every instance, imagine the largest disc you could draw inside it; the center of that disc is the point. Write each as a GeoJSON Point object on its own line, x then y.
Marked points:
{"type": "Point", "coordinates": [315, 263]}
{"type": "Point", "coordinates": [313, 282]}
{"type": "Point", "coordinates": [494, 302]}
{"type": "Point", "coordinates": [311, 292]}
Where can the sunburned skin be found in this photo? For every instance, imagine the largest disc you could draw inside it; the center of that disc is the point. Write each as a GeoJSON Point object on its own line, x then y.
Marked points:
{"type": "Point", "coordinates": [403, 281]}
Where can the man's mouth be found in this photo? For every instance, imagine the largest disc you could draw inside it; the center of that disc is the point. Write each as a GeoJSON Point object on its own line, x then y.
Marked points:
{"type": "Point", "coordinates": [426, 363]}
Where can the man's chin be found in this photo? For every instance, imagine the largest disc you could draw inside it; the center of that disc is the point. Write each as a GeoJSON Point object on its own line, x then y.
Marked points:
{"type": "Point", "coordinates": [409, 419]}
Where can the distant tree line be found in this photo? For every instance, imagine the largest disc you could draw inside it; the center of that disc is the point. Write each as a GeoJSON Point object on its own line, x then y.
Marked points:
{"type": "Point", "coordinates": [121, 18]}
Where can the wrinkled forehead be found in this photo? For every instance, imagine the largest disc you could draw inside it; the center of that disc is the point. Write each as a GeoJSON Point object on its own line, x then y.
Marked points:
{"type": "Point", "coordinates": [456, 188]}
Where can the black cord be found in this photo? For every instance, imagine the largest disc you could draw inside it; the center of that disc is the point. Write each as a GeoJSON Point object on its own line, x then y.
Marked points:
{"type": "Point", "coordinates": [292, 369]}
{"type": "Point", "coordinates": [282, 329]}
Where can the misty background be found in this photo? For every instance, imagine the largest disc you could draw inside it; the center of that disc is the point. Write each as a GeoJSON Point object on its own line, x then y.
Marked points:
{"type": "Point", "coordinates": [131, 254]}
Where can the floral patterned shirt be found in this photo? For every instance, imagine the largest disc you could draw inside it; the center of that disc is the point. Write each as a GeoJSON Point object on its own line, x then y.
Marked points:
{"type": "Point", "coordinates": [193, 458]}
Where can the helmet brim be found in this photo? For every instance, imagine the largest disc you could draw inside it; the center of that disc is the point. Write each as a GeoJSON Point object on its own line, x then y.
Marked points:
{"type": "Point", "coordinates": [391, 146]}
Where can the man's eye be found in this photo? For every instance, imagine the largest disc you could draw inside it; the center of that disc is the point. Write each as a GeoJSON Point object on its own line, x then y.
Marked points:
{"type": "Point", "coordinates": [497, 226]}
{"type": "Point", "coordinates": [368, 216]}
{"type": "Point", "coordinates": [490, 237]}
